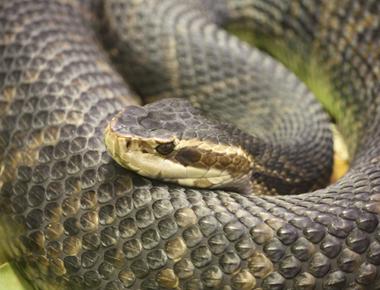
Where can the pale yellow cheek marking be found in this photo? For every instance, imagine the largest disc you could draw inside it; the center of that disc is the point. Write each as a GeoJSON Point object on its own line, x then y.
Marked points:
{"type": "Point", "coordinates": [215, 172]}
{"type": "Point", "coordinates": [151, 165]}
{"type": "Point", "coordinates": [208, 182]}
{"type": "Point", "coordinates": [110, 142]}
{"type": "Point", "coordinates": [155, 167]}
{"type": "Point", "coordinates": [194, 172]}
{"type": "Point", "coordinates": [220, 179]}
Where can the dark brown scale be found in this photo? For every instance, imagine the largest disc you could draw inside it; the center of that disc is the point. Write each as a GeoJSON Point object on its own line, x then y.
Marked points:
{"type": "Point", "coordinates": [188, 156]}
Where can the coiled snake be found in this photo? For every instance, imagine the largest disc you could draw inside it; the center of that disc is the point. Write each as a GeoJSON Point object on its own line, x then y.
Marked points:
{"type": "Point", "coordinates": [72, 218]}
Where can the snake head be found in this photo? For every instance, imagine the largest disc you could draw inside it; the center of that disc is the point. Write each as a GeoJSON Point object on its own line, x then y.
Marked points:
{"type": "Point", "coordinates": [171, 140]}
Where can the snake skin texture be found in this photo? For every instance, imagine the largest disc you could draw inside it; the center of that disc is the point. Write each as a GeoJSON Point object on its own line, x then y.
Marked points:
{"type": "Point", "coordinates": [72, 219]}
{"type": "Point", "coordinates": [187, 55]}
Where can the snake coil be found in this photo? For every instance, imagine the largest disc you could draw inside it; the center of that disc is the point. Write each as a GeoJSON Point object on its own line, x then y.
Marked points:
{"type": "Point", "coordinates": [71, 218]}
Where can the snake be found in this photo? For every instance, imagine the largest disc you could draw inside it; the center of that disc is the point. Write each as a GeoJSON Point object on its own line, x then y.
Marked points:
{"type": "Point", "coordinates": [72, 218]}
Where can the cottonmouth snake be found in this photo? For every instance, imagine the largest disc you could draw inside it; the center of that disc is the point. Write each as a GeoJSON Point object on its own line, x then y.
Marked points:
{"type": "Point", "coordinates": [70, 217]}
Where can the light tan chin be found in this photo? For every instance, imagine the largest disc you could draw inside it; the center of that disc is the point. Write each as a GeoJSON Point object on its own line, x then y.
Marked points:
{"type": "Point", "coordinates": [156, 167]}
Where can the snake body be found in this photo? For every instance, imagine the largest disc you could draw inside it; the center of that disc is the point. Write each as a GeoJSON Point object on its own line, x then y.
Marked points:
{"type": "Point", "coordinates": [72, 218]}
{"type": "Point", "coordinates": [172, 141]}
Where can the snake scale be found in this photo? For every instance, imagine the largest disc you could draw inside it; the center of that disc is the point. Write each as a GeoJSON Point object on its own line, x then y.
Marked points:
{"type": "Point", "coordinates": [71, 218]}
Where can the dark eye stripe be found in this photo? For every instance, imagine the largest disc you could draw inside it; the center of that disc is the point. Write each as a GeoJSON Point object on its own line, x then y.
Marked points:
{"type": "Point", "coordinates": [165, 148]}
{"type": "Point", "coordinates": [188, 156]}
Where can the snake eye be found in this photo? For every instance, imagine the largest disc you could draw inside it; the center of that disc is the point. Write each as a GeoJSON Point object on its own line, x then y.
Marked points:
{"type": "Point", "coordinates": [165, 148]}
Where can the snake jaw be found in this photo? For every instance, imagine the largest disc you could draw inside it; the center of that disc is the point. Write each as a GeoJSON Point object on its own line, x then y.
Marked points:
{"type": "Point", "coordinates": [155, 144]}
{"type": "Point", "coordinates": [184, 164]}
{"type": "Point", "coordinates": [173, 146]}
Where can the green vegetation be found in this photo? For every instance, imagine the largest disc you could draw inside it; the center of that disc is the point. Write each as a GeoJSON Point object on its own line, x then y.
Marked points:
{"type": "Point", "coordinates": [11, 280]}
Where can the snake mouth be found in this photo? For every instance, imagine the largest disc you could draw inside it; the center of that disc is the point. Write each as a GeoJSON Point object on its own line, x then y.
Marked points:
{"type": "Point", "coordinates": [156, 167]}
{"type": "Point", "coordinates": [148, 158]}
